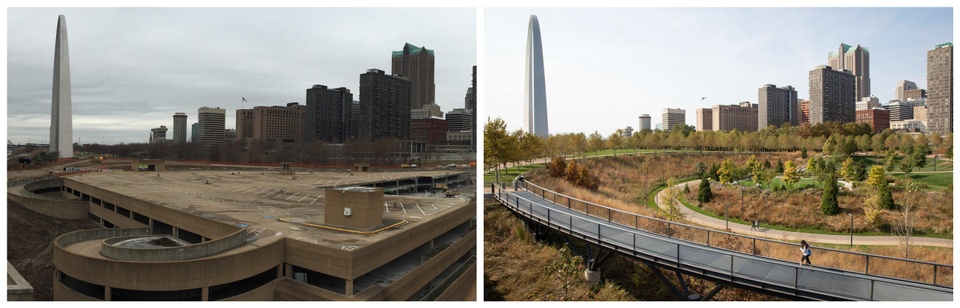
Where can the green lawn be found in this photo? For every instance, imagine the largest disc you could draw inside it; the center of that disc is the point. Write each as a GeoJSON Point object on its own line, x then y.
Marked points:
{"type": "Point", "coordinates": [942, 165]}
{"type": "Point", "coordinates": [937, 181]}
{"type": "Point", "coordinates": [802, 184]}
{"type": "Point", "coordinates": [507, 175]}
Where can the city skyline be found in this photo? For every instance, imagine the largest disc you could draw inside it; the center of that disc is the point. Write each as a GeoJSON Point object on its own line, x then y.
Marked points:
{"type": "Point", "coordinates": [132, 68]}
{"type": "Point", "coordinates": [608, 66]}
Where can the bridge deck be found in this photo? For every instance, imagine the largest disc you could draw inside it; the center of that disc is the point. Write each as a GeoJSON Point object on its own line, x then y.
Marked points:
{"type": "Point", "coordinates": [785, 278]}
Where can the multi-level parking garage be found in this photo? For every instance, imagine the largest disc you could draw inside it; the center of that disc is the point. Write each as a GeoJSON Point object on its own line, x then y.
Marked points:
{"type": "Point", "coordinates": [256, 235]}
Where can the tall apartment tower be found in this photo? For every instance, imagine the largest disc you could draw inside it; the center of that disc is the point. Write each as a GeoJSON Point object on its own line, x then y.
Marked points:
{"type": "Point", "coordinates": [244, 124]}
{"type": "Point", "coordinates": [644, 121]}
{"type": "Point", "coordinates": [328, 113]}
{"type": "Point", "coordinates": [416, 64]}
{"type": "Point", "coordinates": [704, 119]}
{"type": "Point", "coordinates": [534, 85]}
{"type": "Point", "coordinates": [902, 86]}
{"type": "Point", "coordinates": [832, 95]}
{"type": "Point", "coordinates": [61, 107]}
{"type": "Point", "coordinates": [384, 106]}
{"type": "Point", "coordinates": [672, 117]}
{"type": "Point", "coordinates": [180, 127]}
{"type": "Point", "coordinates": [940, 89]}
{"type": "Point", "coordinates": [472, 105]}
{"type": "Point", "coordinates": [804, 111]}
{"type": "Point", "coordinates": [777, 106]}
{"type": "Point", "coordinates": [210, 125]}
{"type": "Point", "coordinates": [857, 61]}
{"type": "Point", "coordinates": [194, 131]}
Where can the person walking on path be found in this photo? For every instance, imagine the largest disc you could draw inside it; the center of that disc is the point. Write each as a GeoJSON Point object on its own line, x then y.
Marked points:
{"type": "Point", "coordinates": [520, 180]}
{"type": "Point", "coordinates": [805, 249]}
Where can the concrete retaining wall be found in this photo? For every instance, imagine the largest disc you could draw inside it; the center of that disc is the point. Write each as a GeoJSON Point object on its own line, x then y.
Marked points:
{"type": "Point", "coordinates": [46, 205]}
{"type": "Point", "coordinates": [180, 253]}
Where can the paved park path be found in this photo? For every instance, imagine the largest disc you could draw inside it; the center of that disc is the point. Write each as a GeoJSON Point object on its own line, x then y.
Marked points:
{"type": "Point", "coordinates": [711, 222]}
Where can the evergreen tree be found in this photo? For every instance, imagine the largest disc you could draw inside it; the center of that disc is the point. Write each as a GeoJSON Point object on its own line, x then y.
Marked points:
{"type": "Point", "coordinates": [705, 194]}
{"type": "Point", "coordinates": [803, 153]}
{"type": "Point", "coordinates": [828, 201]}
{"type": "Point", "coordinates": [886, 197]}
{"type": "Point", "coordinates": [779, 166]}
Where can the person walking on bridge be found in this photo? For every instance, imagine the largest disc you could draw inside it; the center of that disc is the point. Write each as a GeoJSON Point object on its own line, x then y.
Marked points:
{"type": "Point", "coordinates": [805, 249]}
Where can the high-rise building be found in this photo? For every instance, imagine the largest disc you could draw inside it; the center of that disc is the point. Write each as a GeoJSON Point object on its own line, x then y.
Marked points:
{"type": "Point", "coordinates": [211, 125]}
{"type": "Point", "coordinates": [470, 100]}
{"type": "Point", "coordinates": [901, 111]}
{"type": "Point", "coordinates": [158, 134]}
{"type": "Point", "coordinates": [920, 114]}
{"type": "Point", "coordinates": [180, 127]}
{"type": "Point", "coordinates": [644, 122]}
{"type": "Point", "coordinates": [940, 89]}
{"type": "Point", "coordinates": [416, 64]}
{"type": "Point", "coordinates": [458, 120]}
{"type": "Point", "coordinates": [704, 119]}
{"type": "Point", "coordinates": [430, 130]}
{"type": "Point", "coordinates": [328, 113]}
{"type": "Point", "coordinates": [274, 125]}
{"type": "Point", "coordinates": [354, 119]}
{"type": "Point", "coordinates": [244, 124]}
{"type": "Point", "coordinates": [908, 125]}
{"type": "Point", "coordinates": [229, 134]}
{"type": "Point", "coordinates": [857, 61]}
{"type": "Point", "coordinates": [742, 117]}
{"type": "Point", "coordinates": [777, 106]}
{"type": "Point", "coordinates": [672, 117]}
{"type": "Point", "coordinates": [628, 131]}
{"type": "Point", "coordinates": [868, 103]}
{"type": "Point", "coordinates": [194, 131]}
{"type": "Point", "coordinates": [534, 86]}
{"type": "Point", "coordinates": [914, 94]}
{"type": "Point", "coordinates": [428, 111]}
{"type": "Point", "coordinates": [832, 95]}
{"type": "Point", "coordinates": [878, 118]}
{"type": "Point", "coordinates": [902, 86]}
{"type": "Point", "coordinates": [473, 108]}
{"type": "Point", "coordinates": [805, 111]}
{"type": "Point", "coordinates": [384, 106]}
{"type": "Point", "coordinates": [61, 107]}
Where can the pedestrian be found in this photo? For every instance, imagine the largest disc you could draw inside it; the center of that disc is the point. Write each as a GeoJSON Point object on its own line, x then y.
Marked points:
{"type": "Point", "coordinates": [805, 249]}
{"type": "Point", "coordinates": [516, 183]}
{"type": "Point", "coordinates": [520, 179]}
{"type": "Point", "coordinates": [756, 225]}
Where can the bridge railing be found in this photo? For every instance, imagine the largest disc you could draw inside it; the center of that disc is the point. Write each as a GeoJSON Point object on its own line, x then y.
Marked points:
{"type": "Point", "coordinates": [781, 276]}
{"type": "Point", "coordinates": [871, 264]}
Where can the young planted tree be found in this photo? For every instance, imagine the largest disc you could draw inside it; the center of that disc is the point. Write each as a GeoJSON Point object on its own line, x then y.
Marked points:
{"type": "Point", "coordinates": [906, 165]}
{"type": "Point", "coordinates": [726, 171]}
{"type": "Point", "coordinates": [848, 169]}
{"type": "Point", "coordinates": [701, 170]}
{"type": "Point", "coordinates": [903, 225]}
{"type": "Point", "coordinates": [790, 174]}
{"type": "Point", "coordinates": [828, 200]}
{"type": "Point", "coordinates": [671, 197]}
{"type": "Point", "coordinates": [704, 195]}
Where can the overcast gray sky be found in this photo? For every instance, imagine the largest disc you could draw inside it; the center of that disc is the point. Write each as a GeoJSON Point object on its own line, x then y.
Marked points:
{"type": "Point", "coordinates": [133, 68]}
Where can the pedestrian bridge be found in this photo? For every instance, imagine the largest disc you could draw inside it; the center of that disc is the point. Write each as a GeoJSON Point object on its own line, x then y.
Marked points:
{"type": "Point", "coordinates": [681, 248]}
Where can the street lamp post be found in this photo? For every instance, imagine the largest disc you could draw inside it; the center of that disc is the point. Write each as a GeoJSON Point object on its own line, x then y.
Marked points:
{"type": "Point", "coordinates": [741, 200]}
{"type": "Point", "coordinates": [725, 217]}
{"type": "Point", "coordinates": [851, 229]}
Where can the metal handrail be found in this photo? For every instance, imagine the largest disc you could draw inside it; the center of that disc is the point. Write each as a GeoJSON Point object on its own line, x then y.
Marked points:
{"type": "Point", "coordinates": [866, 256]}
{"type": "Point", "coordinates": [683, 243]}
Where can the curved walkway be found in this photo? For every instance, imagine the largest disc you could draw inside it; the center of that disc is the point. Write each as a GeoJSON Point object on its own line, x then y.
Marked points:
{"type": "Point", "coordinates": [711, 222]}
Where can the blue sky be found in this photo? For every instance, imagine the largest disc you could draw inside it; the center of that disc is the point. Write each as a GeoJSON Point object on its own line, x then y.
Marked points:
{"type": "Point", "coordinates": [604, 67]}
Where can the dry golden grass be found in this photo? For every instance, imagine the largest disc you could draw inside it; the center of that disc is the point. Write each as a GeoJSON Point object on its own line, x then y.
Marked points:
{"type": "Point", "coordinates": [801, 209]}
{"type": "Point", "coordinates": [617, 191]}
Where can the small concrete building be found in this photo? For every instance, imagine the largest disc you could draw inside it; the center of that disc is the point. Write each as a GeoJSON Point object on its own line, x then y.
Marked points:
{"type": "Point", "coordinates": [355, 207]}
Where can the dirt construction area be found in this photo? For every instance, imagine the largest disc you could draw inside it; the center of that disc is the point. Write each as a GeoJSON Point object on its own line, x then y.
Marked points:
{"type": "Point", "coordinates": [30, 238]}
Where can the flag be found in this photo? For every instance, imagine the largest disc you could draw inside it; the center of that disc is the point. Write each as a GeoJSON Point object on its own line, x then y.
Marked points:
{"type": "Point", "coordinates": [243, 98]}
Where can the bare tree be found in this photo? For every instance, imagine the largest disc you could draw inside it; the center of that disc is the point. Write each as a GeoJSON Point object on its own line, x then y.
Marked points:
{"type": "Point", "coordinates": [903, 225]}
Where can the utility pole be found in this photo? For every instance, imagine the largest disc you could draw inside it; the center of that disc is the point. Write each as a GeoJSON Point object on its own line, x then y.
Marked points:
{"type": "Point", "coordinates": [851, 229]}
